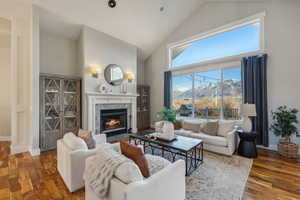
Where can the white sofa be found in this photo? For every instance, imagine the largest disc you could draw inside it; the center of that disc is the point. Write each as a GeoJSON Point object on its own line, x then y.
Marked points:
{"type": "Point", "coordinates": [223, 143]}
{"type": "Point", "coordinates": [71, 159]}
{"type": "Point", "coordinates": [167, 183]}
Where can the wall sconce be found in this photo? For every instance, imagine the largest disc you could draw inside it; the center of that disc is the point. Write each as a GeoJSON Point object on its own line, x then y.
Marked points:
{"type": "Point", "coordinates": [93, 71]}
{"type": "Point", "coordinates": [129, 77]}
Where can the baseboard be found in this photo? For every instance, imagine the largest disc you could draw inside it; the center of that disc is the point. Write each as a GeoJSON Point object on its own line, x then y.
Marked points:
{"type": "Point", "coordinates": [34, 151]}
{"type": "Point", "coordinates": [15, 149]}
{"type": "Point", "coordinates": [272, 147]}
{"type": "Point", "coordinates": [5, 138]}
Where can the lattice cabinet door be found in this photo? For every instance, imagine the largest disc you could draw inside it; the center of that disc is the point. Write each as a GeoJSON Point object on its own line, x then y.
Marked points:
{"type": "Point", "coordinates": [59, 109]}
{"type": "Point", "coordinates": [71, 106]}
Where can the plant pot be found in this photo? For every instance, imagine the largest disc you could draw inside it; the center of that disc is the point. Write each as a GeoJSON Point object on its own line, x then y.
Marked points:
{"type": "Point", "coordinates": [287, 149]}
{"type": "Point", "coordinates": [177, 125]}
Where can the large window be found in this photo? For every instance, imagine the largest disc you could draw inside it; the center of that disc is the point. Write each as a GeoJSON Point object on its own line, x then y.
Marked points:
{"type": "Point", "coordinates": [208, 94]}
{"type": "Point", "coordinates": [215, 94]}
{"type": "Point", "coordinates": [183, 94]}
{"type": "Point", "coordinates": [213, 90]}
{"type": "Point", "coordinates": [240, 38]}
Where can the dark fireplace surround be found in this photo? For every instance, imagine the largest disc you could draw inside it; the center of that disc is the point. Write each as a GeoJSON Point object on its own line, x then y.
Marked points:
{"type": "Point", "coordinates": [113, 121]}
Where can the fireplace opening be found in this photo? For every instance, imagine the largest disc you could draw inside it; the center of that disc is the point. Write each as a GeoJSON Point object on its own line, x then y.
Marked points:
{"type": "Point", "coordinates": [113, 121]}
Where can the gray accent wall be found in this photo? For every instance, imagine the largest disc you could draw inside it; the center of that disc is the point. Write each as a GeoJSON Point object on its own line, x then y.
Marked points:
{"type": "Point", "coordinates": [282, 44]}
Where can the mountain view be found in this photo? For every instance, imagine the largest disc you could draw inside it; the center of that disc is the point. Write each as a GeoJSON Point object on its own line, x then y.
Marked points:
{"type": "Point", "coordinates": [231, 88]}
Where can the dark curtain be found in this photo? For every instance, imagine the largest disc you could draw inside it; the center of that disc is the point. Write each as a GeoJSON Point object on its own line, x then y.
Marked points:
{"type": "Point", "coordinates": [167, 89]}
{"type": "Point", "coordinates": [254, 73]}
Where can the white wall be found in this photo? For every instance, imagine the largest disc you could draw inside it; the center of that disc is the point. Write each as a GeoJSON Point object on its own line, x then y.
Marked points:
{"type": "Point", "coordinates": [58, 55]}
{"type": "Point", "coordinates": [21, 13]}
{"type": "Point", "coordinates": [282, 32]}
{"type": "Point", "coordinates": [101, 49]}
{"type": "Point", "coordinates": [5, 106]}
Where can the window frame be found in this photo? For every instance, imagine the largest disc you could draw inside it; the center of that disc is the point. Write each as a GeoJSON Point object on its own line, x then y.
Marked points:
{"type": "Point", "coordinates": [258, 18]}
{"type": "Point", "coordinates": [215, 67]}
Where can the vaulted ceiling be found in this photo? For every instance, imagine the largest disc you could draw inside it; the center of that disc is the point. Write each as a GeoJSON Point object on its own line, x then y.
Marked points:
{"type": "Point", "coordinates": [139, 22]}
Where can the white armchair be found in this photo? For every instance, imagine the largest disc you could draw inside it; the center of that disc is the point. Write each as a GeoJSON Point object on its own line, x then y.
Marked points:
{"type": "Point", "coordinates": [71, 162]}
{"type": "Point", "coordinates": [168, 183]}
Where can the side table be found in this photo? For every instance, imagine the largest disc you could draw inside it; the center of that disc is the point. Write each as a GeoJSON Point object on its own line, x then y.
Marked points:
{"type": "Point", "coordinates": [247, 145]}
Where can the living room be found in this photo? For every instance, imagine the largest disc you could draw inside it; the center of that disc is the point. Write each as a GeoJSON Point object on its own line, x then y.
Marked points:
{"type": "Point", "coordinates": [180, 100]}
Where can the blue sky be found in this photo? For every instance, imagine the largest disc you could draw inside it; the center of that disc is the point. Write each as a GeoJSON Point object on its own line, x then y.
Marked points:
{"type": "Point", "coordinates": [238, 41]}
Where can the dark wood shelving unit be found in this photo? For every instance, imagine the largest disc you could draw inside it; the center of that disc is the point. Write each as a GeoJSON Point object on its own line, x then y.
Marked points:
{"type": "Point", "coordinates": [143, 107]}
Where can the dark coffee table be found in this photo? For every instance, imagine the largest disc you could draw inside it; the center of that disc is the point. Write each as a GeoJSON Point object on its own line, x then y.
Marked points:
{"type": "Point", "coordinates": [190, 149]}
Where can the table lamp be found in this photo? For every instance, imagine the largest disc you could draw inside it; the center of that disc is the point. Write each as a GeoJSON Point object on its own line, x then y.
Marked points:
{"type": "Point", "coordinates": [247, 110]}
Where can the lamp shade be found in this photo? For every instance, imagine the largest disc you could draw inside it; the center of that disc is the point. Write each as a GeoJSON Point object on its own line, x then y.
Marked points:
{"type": "Point", "coordinates": [129, 76]}
{"type": "Point", "coordinates": [248, 110]}
{"type": "Point", "coordinates": [93, 71]}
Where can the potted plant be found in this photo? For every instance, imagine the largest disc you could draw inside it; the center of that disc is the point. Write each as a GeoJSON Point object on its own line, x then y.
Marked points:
{"type": "Point", "coordinates": [165, 126]}
{"type": "Point", "coordinates": [284, 125]}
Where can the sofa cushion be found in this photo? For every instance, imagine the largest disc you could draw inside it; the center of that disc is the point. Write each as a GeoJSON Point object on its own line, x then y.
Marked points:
{"type": "Point", "coordinates": [210, 128]}
{"type": "Point", "coordinates": [208, 139]}
{"type": "Point", "coordinates": [183, 132]}
{"type": "Point", "coordinates": [74, 142]}
{"type": "Point", "coordinates": [88, 137]}
{"type": "Point", "coordinates": [156, 163]}
{"type": "Point", "coordinates": [128, 172]}
{"type": "Point", "coordinates": [192, 125]}
{"type": "Point", "coordinates": [137, 155]}
{"type": "Point", "coordinates": [225, 127]}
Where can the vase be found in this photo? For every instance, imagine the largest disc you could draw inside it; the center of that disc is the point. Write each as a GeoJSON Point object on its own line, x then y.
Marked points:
{"type": "Point", "coordinates": [168, 130]}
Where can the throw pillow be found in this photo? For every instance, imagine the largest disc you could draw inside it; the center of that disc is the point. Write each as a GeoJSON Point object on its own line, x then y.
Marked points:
{"type": "Point", "coordinates": [177, 125]}
{"type": "Point", "coordinates": [137, 155]}
{"type": "Point", "coordinates": [211, 128]}
{"type": "Point", "coordinates": [128, 172]}
{"type": "Point", "coordinates": [74, 142]}
{"type": "Point", "coordinates": [87, 136]}
{"type": "Point", "coordinates": [194, 126]}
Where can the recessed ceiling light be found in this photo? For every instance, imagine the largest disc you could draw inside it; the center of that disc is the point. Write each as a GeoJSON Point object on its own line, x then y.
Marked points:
{"type": "Point", "coordinates": [162, 9]}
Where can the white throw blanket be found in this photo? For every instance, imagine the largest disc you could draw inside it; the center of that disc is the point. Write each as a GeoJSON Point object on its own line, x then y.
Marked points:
{"type": "Point", "coordinates": [100, 172]}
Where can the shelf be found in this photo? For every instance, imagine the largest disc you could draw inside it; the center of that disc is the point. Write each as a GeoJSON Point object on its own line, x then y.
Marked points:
{"type": "Point", "coordinates": [66, 92]}
{"type": "Point", "coordinates": [54, 130]}
{"type": "Point", "coordinates": [70, 116]}
{"type": "Point", "coordinates": [52, 91]}
{"type": "Point", "coordinates": [47, 118]}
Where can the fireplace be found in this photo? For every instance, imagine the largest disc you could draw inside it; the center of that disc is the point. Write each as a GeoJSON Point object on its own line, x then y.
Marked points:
{"type": "Point", "coordinates": [113, 121]}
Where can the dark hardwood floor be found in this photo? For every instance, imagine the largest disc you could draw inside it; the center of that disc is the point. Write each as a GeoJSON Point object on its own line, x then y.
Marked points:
{"type": "Point", "coordinates": [273, 177]}
{"type": "Point", "coordinates": [23, 177]}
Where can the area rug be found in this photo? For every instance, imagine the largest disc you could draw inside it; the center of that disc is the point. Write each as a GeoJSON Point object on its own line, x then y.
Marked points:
{"type": "Point", "coordinates": [218, 178]}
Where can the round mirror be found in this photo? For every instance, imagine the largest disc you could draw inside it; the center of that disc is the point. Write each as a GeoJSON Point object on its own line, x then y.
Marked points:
{"type": "Point", "coordinates": [114, 75]}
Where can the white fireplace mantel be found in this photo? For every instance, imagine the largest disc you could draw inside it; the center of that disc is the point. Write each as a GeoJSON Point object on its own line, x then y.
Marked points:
{"type": "Point", "coordinates": [94, 98]}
